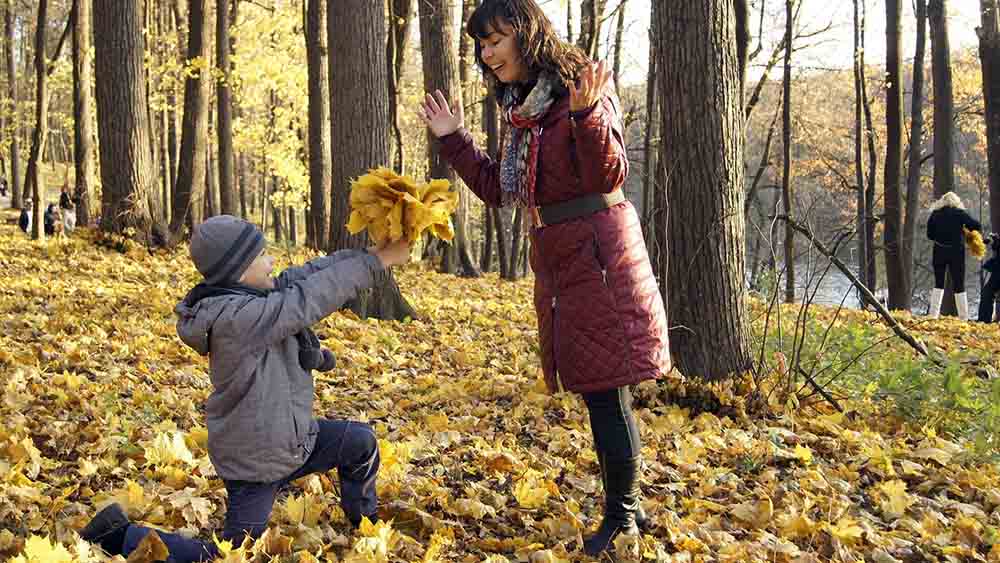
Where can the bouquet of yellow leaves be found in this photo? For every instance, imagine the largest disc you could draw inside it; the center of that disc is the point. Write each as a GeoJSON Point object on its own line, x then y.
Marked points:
{"type": "Point", "coordinates": [394, 207]}
{"type": "Point", "coordinates": [974, 240]}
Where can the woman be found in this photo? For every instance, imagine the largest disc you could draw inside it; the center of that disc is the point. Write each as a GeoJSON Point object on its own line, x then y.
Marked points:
{"type": "Point", "coordinates": [601, 320]}
{"type": "Point", "coordinates": [944, 228]}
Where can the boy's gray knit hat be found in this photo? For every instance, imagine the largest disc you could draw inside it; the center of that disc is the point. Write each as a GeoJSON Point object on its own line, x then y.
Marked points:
{"type": "Point", "coordinates": [223, 247]}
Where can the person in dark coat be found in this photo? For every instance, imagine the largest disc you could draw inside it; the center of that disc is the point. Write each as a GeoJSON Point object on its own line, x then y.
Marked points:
{"type": "Point", "coordinates": [53, 220]}
{"type": "Point", "coordinates": [601, 320]}
{"type": "Point", "coordinates": [987, 299]}
{"type": "Point", "coordinates": [945, 229]}
{"type": "Point", "coordinates": [24, 220]}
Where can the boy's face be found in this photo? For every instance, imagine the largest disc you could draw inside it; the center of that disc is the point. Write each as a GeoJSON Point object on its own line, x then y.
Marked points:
{"type": "Point", "coordinates": [258, 275]}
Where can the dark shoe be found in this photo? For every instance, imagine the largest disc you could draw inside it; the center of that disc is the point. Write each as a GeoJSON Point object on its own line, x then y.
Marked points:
{"type": "Point", "coordinates": [107, 528]}
{"type": "Point", "coordinates": [621, 501]}
{"type": "Point", "coordinates": [642, 521]}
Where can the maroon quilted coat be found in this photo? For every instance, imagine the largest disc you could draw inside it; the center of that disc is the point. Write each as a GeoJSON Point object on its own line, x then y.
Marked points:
{"type": "Point", "coordinates": [600, 316]}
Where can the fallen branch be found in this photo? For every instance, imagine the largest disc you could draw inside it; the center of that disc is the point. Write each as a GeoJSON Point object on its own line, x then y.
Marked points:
{"type": "Point", "coordinates": [875, 303]}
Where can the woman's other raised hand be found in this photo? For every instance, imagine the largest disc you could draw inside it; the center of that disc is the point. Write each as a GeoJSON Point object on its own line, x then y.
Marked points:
{"type": "Point", "coordinates": [438, 115]}
{"type": "Point", "coordinates": [593, 80]}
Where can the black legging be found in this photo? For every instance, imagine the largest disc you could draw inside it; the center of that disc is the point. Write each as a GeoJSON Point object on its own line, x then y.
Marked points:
{"type": "Point", "coordinates": [946, 260]}
{"type": "Point", "coordinates": [612, 422]}
{"type": "Point", "coordinates": [987, 298]}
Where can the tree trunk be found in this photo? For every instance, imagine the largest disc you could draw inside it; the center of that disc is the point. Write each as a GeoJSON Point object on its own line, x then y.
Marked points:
{"type": "Point", "coordinates": [944, 119]}
{"type": "Point", "coordinates": [650, 149]}
{"type": "Point", "coordinates": [41, 130]}
{"type": "Point", "coordinates": [17, 194]}
{"type": "Point", "coordinates": [357, 34]}
{"type": "Point", "coordinates": [591, 14]}
{"type": "Point", "coordinates": [898, 298]}
{"type": "Point", "coordinates": [699, 59]}
{"type": "Point", "coordinates": [743, 40]}
{"type": "Point", "coordinates": [914, 157]}
{"type": "Point", "coordinates": [619, 37]}
{"type": "Point", "coordinates": [989, 56]}
{"type": "Point", "coordinates": [194, 132]}
{"type": "Point", "coordinates": [319, 123]}
{"type": "Point", "coordinates": [516, 236]}
{"type": "Point", "coordinates": [569, 21]}
{"type": "Point", "coordinates": [127, 176]}
{"type": "Point", "coordinates": [400, 16]}
{"type": "Point", "coordinates": [83, 130]}
{"type": "Point", "coordinates": [786, 160]}
{"type": "Point", "coordinates": [870, 268]}
{"type": "Point", "coordinates": [859, 158]}
{"type": "Point", "coordinates": [440, 66]}
{"type": "Point", "coordinates": [224, 126]}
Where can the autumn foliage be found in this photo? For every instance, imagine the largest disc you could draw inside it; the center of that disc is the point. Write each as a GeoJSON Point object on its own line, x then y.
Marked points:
{"type": "Point", "coordinates": [101, 402]}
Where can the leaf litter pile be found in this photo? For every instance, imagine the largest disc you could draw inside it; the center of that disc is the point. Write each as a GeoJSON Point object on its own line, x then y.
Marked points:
{"type": "Point", "coordinates": [101, 402]}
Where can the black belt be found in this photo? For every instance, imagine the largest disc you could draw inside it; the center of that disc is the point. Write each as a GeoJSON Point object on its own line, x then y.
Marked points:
{"type": "Point", "coordinates": [579, 207]}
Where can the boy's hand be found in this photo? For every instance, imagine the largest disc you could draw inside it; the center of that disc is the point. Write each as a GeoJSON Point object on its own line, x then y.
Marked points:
{"type": "Point", "coordinates": [393, 253]}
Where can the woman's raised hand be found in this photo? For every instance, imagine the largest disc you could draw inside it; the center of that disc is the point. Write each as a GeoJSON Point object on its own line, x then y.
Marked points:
{"type": "Point", "coordinates": [438, 116]}
{"type": "Point", "coordinates": [593, 80]}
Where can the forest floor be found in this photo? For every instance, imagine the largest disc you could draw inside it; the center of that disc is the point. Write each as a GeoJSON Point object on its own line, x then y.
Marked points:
{"type": "Point", "coordinates": [102, 402]}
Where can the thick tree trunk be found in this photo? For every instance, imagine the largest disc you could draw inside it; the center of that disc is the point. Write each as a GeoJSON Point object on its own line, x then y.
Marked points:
{"type": "Point", "coordinates": [914, 157]}
{"type": "Point", "coordinates": [989, 56]}
{"type": "Point", "coordinates": [41, 130]}
{"type": "Point", "coordinates": [569, 21]}
{"type": "Point", "coordinates": [944, 118]}
{"type": "Point", "coordinates": [357, 34]}
{"type": "Point", "coordinates": [400, 16]}
{"type": "Point", "coordinates": [516, 238]}
{"type": "Point", "coordinates": [440, 65]}
{"type": "Point", "coordinates": [194, 132]}
{"type": "Point", "coordinates": [651, 150]}
{"type": "Point", "coordinates": [319, 123]}
{"type": "Point", "coordinates": [224, 126]}
{"type": "Point", "coordinates": [17, 194]}
{"type": "Point", "coordinates": [83, 130]}
{"type": "Point", "coordinates": [127, 176]}
{"type": "Point", "coordinates": [700, 76]}
{"type": "Point", "coordinates": [898, 296]}
{"type": "Point", "coordinates": [786, 160]}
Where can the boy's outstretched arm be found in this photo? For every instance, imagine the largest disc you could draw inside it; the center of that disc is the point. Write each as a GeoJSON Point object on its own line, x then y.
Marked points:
{"type": "Point", "coordinates": [295, 273]}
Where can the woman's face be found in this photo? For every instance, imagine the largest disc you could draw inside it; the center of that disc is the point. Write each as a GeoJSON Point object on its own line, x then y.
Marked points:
{"type": "Point", "coordinates": [502, 54]}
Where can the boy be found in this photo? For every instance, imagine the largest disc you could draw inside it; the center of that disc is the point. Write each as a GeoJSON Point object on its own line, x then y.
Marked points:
{"type": "Point", "coordinates": [255, 331]}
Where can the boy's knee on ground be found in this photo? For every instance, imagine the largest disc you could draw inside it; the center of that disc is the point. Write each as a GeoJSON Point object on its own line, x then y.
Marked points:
{"type": "Point", "coordinates": [360, 445]}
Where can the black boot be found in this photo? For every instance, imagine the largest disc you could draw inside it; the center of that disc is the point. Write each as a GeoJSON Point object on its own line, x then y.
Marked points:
{"type": "Point", "coordinates": [621, 499]}
{"type": "Point", "coordinates": [107, 528]}
{"type": "Point", "coordinates": [641, 519]}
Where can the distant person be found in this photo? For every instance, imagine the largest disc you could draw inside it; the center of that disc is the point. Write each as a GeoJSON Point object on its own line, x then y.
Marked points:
{"type": "Point", "coordinates": [3, 187]}
{"type": "Point", "coordinates": [988, 310]}
{"type": "Point", "coordinates": [945, 229]}
{"type": "Point", "coordinates": [53, 221]}
{"type": "Point", "coordinates": [24, 221]}
{"type": "Point", "coordinates": [68, 208]}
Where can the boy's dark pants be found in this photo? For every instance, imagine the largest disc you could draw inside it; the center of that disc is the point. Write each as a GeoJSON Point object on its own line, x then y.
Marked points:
{"type": "Point", "coordinates": [351, 447]}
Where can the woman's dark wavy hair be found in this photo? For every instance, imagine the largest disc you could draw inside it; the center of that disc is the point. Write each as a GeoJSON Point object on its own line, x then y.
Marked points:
{"type": "Point", "coordinates": [541, 47]}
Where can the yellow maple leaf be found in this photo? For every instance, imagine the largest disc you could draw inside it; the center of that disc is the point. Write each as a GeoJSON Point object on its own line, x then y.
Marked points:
{"type": "Point", "coordinates": [756, 513]}
{"type": "Point", "coordinates": [168, 448]}
{"type": "Point", "coordinates": [40, 549]}
{"type": "Point", "coordinates": [895, 499]}
{"type": "Point", "coordinates": [846, 530]}
{"type": "Point", "coordinates": [803, 454]}
{"type": "Point", "coordinates": [531, 491]}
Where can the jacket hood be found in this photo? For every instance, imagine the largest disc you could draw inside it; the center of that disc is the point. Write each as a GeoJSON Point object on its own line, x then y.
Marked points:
{"type": "Point", "coordinates": [195, 321]}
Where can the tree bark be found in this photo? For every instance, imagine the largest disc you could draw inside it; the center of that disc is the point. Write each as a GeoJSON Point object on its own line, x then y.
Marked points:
{"type": "Point", "coordinates": [651, 149]}
{"type": "Point", "coordinates": [913, 151]}
{"type": "Point", "coordinates": [861, 238]}
{"type": "Point", "coordinates": [989, 56]}
{"type": "Point", "coordinates": [319, 123]}
{"type": "Point", "coordinates": [786, 160]}
{"type": "Point", "coordinates": [41, 130]}
{"type": "Point", "coordinates": [700, 76]}
{"type": "Point", "coordinates": [619, 37]}
{"type": "Point", "coordinates": [944, 119]}
{"type": "Point", "coordinates": [17, 194]}
{"type": "Point", "coordinates": [440, 65]}
{"type": "Point", "coordinates": [591, 14]}
{"type": "Point", "coordinates": [569, 21]}
{"type": "Point", "coordinates": [127, 176]}
{"type": "Point", "coordinates": [83, 104]}
{"type": "Point", "coordinates": [224, 125]}
{"type": "Point", "coordinates": [400, 17]}
{"type": "Point", "coordinates": [357, 34]}
{"type": "Point", "coordinates": [194, 132]}
{"type": "Point", "coordinates": [898, 298]}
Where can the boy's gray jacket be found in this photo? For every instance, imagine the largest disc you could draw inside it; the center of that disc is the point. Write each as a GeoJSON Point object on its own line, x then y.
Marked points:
{"type": "Point", "coordinates": [260, 423]}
